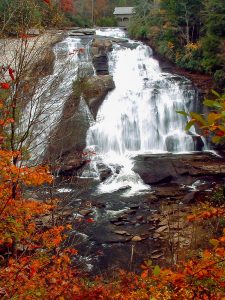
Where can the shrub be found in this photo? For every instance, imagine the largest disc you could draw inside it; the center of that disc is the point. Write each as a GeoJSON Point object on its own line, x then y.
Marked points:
{"type": "Point", "coordinates": [219, 77]}
{"type": "Point", "coordinates": [107, 22]}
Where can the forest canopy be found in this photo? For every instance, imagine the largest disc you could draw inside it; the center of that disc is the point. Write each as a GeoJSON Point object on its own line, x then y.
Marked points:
{"type": "Point", "coordinates": [190, 33]}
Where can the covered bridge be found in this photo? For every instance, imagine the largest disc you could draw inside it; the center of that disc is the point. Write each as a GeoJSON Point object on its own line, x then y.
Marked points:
{"type": "Point", "coordinates": [123, 15]}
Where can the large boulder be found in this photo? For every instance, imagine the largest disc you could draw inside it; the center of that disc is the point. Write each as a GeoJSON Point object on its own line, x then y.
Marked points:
{"type": "Point", "coordinates": [154, 169]}
{"type": "Point", "coordinates": [104, 171]}
{"type": "Point", "coordinates": [96, 88]}
{"type": "Point", "coordinates": [185, 168]}
{"type": "Point", "coordinates": [100, 47]}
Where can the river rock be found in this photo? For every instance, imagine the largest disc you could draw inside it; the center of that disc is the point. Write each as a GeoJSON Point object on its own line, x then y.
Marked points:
{"type": "Point", "coordinates": [76, 34]}
{"type": "Point", "coordinates": [198, 142]}
{"type": "Point", "coordinates": [104, 171]}
{"type": "Point", "coordinates": [85, 212]}
{"type": "Point", "coordinates": [137, 238]}
{"type": "Point", "coordinates": [120, 40]}
{"type": "Point", "coordinates": [178, 168]}
{"type": "Point", "coordinates": [151, 169]}
{"type": "Point", "coordinates": [71, 167]}
{"type": "Point", "coordinates": [97, 88]}
{"type": "Point", "coordinates": [162, 229]}
{"type": "Point", "coordinates": [83, 31]}
{"type": "Point", "coordinates": [189, 198]}
{"type": "Point", "coordinates": [121, 232]}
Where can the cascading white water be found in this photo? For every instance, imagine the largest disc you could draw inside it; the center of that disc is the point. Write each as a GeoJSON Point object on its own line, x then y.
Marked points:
{"type": "Point", "coordinates": [139, 115]}
{"type": "Point", "coordinates": [45, 108]}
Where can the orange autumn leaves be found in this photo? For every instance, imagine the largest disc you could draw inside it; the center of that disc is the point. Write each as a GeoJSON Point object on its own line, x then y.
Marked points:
{"type": "Point", "coordinates": [34, 265]}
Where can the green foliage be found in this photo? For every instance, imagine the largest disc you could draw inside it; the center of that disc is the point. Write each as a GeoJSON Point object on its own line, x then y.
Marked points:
{"type": "Point", "coordinates": [80, 85]}
{"type": "Point", "coordinates": [188, 32]}
{"type": "Point", "coordinates": [213, 123]}
{"type": "Point", "coordinates": [17, 16]}
{"type": "Point", "coordinates": [137, 29]}
{"type": "Point", "coordinates": [217, 197]}
{"type": "Point", "coordinates": [78, 21]}
{"type": "Point", "coordinates": [107, 22]}
{"type": "Point", "coordinates": [219, 77]}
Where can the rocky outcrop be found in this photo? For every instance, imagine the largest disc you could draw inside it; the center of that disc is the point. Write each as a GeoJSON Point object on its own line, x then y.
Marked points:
{"type": "Point", "coordinates": [67, 140]}
{"type": "Point", "coordinates": [81, 31]}
{"type": "Point", "coordinates": [96, 88]}
{"type": "Point", "coordinates": [185, 168]}
{"type": "Point", "coordinates": [104, 171]}
{"type": "Point", "coordinates": [99, 51]}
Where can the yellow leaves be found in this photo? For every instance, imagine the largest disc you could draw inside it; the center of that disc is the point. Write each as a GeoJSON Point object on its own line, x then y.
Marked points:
{"type": "Point", "coordinates": [170, 45]}
{"type": "Point", "coordinates": [214, 242]}
{"type": "Point", "coordinates": [193, 46]}
{"type": "Point", "coordinates": [212, 117]}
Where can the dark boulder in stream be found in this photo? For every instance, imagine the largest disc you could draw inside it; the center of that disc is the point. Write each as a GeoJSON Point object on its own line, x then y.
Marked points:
{"type": "Point", "coordinates": [185, 168]}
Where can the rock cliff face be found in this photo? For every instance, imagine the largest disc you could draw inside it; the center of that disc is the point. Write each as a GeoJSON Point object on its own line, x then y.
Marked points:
{"type": "Point", "coordinates": [68, 139]}
{"type": "Point", "coordinates": [96, 91]}
{"type": "Point", "coordinates": [99, 51]}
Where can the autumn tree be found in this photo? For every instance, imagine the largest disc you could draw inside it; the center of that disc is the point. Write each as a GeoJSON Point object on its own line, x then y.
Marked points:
{"type": "Point", "coordinates": [67, 6]}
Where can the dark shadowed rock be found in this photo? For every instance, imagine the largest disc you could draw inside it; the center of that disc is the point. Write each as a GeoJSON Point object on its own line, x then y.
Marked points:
{"type": "Point", "coordinates": [198, 142]}
{"type": "Point", "coordinates": [99, 52]}
{"type": "Point", "coordinates": [67, 139]}
{"type": "Point", "coordinates": [189, 198]}
{"type": "Point", "coordinates": [104, 171]}
{"type": "Point", "coordinates": [154, 169]}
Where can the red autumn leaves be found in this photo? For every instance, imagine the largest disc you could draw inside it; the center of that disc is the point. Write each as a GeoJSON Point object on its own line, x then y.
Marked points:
{"type": "Point", "coordinates": [6, 85]}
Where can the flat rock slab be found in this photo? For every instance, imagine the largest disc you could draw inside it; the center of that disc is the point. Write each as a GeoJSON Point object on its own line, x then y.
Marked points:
{"type": "Point", "coordinates": [84, 31]}
{"type": "Point", "coordinates": [173, 190]}
{"type": "Point", "coordinates": [76, 34]}
{"type": "Point", "coordinates": [166, 168]}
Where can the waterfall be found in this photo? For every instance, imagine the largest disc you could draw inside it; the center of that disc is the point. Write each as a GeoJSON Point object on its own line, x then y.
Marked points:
{"type": "Point", "coordinates": [139, 115]}
{"type": "Point", "coordinates": [45, 108]}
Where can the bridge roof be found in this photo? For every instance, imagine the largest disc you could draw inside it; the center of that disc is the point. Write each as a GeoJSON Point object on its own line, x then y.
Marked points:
{"type": "Point", "coordinates": [123, 11]}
